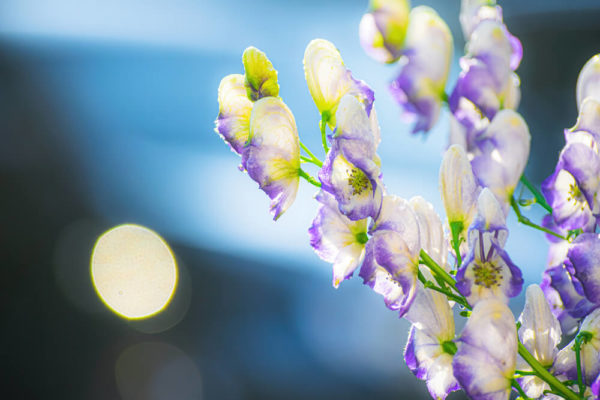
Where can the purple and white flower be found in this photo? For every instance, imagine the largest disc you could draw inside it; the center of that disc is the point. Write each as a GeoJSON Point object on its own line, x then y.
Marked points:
{"type": "Point", "coordinates": [502, 153]}
{"type": "Point", "coordinates": [485, 361]}
{"type": "Point", "coordinates": [430, 345]}
{"type": "Point", "coordinates": [565, 363]}
{"type": "Point", "coordinates": [233, 121]}
{"type": "Point", "coordinates": [419, 87]}
{"type": "Point", "coordinates": [329, 80]}
{"type": "Point", "coordinates": [487, 82]}
{"type": "Point", "coordinates": [392, 254]}
{"type": "Point", "coordinates": [584, 260]}
{"type": "Point", "coordinates": [337, 239]}
{"type": "Point", "coordinates": [588, 81]}
{"type": "Point", "coordinates": [570, 208]}
{"type": "Point", "coordinates": [383, 28]}
{"type": "Point", "coordinates": [272, 156]}
{"type": "Point", "coordinates": [540, 333]}
{"type": "Point", "coordinates": [351, 172]}
{"type": "Point", "coordinates": [488, 272]}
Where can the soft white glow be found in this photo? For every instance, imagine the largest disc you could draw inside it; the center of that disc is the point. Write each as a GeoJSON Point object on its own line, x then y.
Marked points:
{"type": "Point", "coordinates": [133, 271]}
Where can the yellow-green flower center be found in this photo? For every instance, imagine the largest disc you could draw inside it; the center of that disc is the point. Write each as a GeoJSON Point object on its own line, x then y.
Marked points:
{"type": "Point", "coordinates": [358, 181]}
{"type": "Point", "coordinates": [487, 274]}
{"type": "Point", "coordinates": [575, 195]}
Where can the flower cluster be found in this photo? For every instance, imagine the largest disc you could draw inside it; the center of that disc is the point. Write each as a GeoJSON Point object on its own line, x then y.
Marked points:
{"type": "Point", "coordinates": [572, 280]}
{"type": "Point", "coordinates": [422, 265]}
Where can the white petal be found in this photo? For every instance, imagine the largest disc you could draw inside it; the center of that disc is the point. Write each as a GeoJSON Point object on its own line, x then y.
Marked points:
{"type": "Point", "coordinates": [540, 330]}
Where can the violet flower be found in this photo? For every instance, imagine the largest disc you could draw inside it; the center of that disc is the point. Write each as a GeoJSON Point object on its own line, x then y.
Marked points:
{"type": "Point", "coordinates": [485, 361]}
{"type": "Point", "coordinates": [430, 345]}
{"type": "Point", "coordinates": [272, 156]}
{"type": "Point", "coordinates": [488, 271]}
{"type": "Point", "coordinates": [419, 87]}
{"type": "Point", "coordinates": [584, 258]}
{"type": "Point", "coordinates": [351, 172]}
{"type": "Point", "coordinates": [502, 153]}
{"type": "Point", "coordinates": [392, 254]}
{"type": "Point", "coordinates": [337, 239]}
{"type": "Point", "coordinates": [233, 121]}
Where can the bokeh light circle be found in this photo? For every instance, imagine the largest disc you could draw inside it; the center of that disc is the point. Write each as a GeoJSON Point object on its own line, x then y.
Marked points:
{"type": "Point", "coordinates": [133, 271]}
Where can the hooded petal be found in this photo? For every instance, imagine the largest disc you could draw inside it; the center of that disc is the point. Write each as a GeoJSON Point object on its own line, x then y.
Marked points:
{"type": "Point", "coordinates": [337, 239]}
{"type": "Point", "coordinates": [458, 186]}
{"type": "Point", "coordinates": [472, 12]}
{"type": "Point", "coordinates": [431, 231]}
{"type": "Point", "coordinates": [504, 150]}
{"type": "Point", "coordinates": [233, 121]}
{"type": "Point", "coordinates": [489, 220]}
{"type": "Point", "coordinates": [540, 331]}
{"type": "Point", "coordinates": [491, 43]}
{"type": "Point", "coordinates": [260, 76]}
{"type": "Point", "coordinates": [383, 28]}
{"type": "Point", "coordinates": [328, 79]}
{"type": "Point", "coordinates": [485, 361]}
{"type": "Point", "coordinates": [272, 157]}
{"type": "Point", "coordinates": [584, 256]}
{"type": "Point", "coordinates": [420, 85]}
{"type": "Point", "coordinates": [588, 119]}
{"type": "Point", "coordinates": [588, 81]}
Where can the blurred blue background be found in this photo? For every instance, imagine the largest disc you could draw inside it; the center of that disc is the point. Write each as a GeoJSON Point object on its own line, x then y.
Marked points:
{"type": "Point", "coordinates": [106, 116]}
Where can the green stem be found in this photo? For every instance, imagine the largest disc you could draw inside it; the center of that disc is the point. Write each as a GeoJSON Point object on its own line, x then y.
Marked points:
{"type": "Point", "coordinates": [543, 374]}
{"type": "Point", "coordinates": [577, 350]}
{"type": "Point", "coordinates": [439, 272]}
{"type": "Point", "coordinates": [308, 178]}
{"type": "Point", "coordinates": [525, 373]}
{"type": "Point", "coordinates": [456, 227]}
{"type": "Point", "coordinates": [324, 119]}
{"type": "Point", "coordinates": [517, 386]}
{"type": "Point", "coordinates": [313, 158]}
{"type": "Point", "coordinates": [310, 160]}
{"type": "Point", "coordinates": [460, 300]}
{"type": "Point", "coordinates": [539, 197]}
{"type": "Point", "coordinates": [526, 221]}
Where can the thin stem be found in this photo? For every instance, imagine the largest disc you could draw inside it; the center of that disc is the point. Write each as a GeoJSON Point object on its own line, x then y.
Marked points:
{"type": "Point", "coordinates": [541, 372]}
{"type": "Point", "coordinates": [524, 373]}
{"type": "Point", "coordinates": [577, 349]}
{"type": "Point", "coordinates": [313, 158]}
{"type": "Point", "coordinates": [456, 228]}
{"type": "Point", "coordinates": [324, 119]}
{"type": "Point", "coordinates": [517, 386]}
{"type": "Point", "coordinates": [312, 161]}
{"type": "Point", "coordinates": [308, 178]}
{"type": "Point", "coordinates": [526, 221]}
{"type": "Point", "coordinates": [539, 197]}
{"type": "Point", "coordinates": [440, 272]}
{"type": "Point", "coordinates": [451, 296]}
